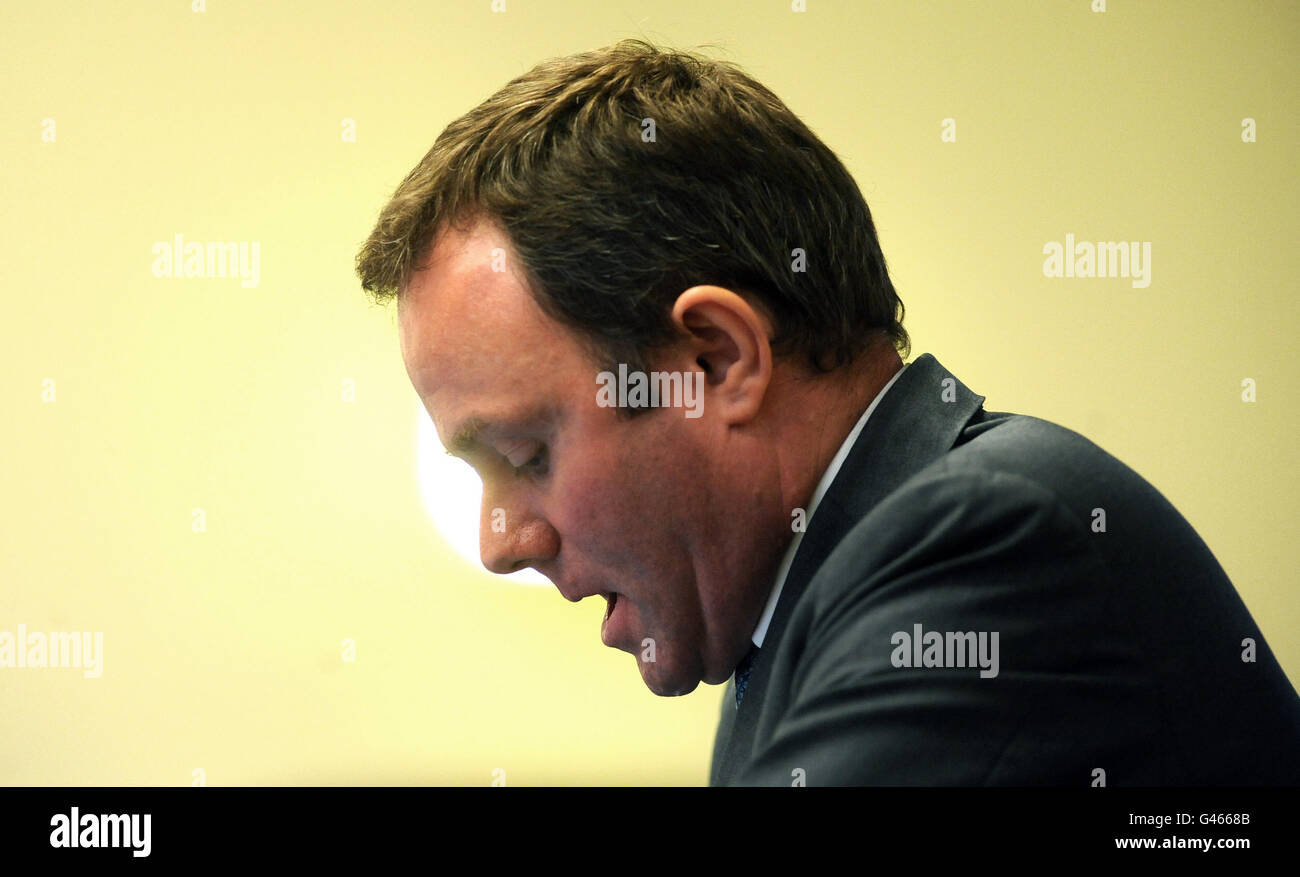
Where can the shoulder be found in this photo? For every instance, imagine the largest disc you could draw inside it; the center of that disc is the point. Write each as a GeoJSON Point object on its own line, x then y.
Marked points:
{"type": "Point", "coordinates": [1012, 484]}
{"type": "Point", "coordinates": [998, 534]}
{"type": "Point", "coordinates": [1012, 481]}
{"type": "Point", "coordinates": [955, 528]}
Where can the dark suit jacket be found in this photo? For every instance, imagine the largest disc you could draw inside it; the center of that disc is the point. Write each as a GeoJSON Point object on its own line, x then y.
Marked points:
{"type": "Point", "coordinates": [1120, 649]}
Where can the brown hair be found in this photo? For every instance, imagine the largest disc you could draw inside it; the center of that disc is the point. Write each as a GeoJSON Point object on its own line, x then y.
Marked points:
{"type": "Point", "coordinates": [626, 175]}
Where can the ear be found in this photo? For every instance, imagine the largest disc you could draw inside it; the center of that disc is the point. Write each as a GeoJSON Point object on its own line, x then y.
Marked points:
{"type": "Point", "coordinates": [730, 340]}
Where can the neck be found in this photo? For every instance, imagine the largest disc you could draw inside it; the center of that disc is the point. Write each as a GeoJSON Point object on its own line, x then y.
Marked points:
{"type": "Point", "coordinates": [832, 404]}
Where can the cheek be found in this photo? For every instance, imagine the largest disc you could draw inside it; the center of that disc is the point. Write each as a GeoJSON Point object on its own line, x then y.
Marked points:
{"type": "Point", "coordinates": [590, 498]}
{"type": "Point", "coordinates": [616, 502]}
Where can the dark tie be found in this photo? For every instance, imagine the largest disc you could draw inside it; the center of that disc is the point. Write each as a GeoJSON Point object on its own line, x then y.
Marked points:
{"type": "Point", "coordinates": [742, 674]}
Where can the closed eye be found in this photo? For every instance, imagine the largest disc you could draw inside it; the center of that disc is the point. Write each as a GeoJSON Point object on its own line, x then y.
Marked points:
{"type": "Point", "coordinates": [536, 467]}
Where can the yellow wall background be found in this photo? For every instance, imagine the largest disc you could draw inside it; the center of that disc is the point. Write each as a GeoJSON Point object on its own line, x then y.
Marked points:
{"type": "Point", "coordinates": [222, 649]}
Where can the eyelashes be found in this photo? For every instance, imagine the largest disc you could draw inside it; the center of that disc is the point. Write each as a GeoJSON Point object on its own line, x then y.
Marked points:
{"type": "Point", "coordinates": [535, 467]}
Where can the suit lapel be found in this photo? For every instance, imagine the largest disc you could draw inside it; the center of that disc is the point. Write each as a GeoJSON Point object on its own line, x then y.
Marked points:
{"type": "Point", "coordinates": [917, 421]}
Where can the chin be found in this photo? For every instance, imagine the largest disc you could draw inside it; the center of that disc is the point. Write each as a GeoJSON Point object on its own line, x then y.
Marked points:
{"type": "Point", "coordinates": [666, 686]}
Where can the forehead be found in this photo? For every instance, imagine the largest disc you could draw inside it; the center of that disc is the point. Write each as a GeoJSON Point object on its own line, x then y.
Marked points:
{"type": "Point", "coordinates": [474, 342]}
{"type": "Point", "coordinates": [464, 281]}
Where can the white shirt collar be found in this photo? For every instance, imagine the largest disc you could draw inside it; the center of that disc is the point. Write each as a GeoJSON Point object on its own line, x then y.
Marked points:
{"type": "Point", "coordinates": [822, 486]}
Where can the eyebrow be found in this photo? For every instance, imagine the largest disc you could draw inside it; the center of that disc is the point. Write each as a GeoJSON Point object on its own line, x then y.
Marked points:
{"type": "Point", "coordinates": [466, 438]}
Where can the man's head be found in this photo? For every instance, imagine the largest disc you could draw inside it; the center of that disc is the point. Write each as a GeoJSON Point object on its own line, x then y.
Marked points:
{"type": "Point", "coordinates": [668, 214]}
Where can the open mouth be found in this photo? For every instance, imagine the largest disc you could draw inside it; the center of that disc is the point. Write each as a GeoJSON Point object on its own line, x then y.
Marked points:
{"type": "Point", "coordinates": [613, 629]}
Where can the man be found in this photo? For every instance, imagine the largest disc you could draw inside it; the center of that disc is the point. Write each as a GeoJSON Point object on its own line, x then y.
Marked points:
{"type": "Point", "coordinates": [649, 307]}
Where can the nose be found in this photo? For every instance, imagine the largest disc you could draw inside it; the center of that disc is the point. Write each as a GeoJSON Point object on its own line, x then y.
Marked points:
{"type": "Point", "coordinates": [511, 540]}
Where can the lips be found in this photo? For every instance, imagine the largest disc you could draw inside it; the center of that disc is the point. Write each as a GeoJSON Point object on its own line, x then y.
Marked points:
{"type": "Point", "coordinates": [613, 629]}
